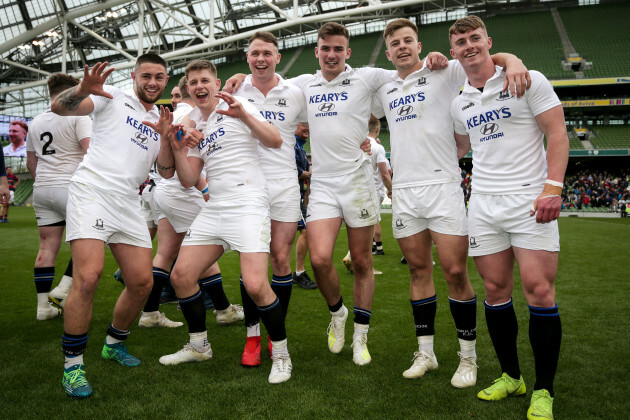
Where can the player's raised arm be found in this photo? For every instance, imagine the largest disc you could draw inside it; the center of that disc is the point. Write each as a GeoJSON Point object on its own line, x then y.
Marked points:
{"type": "Point", "coordinates": [266, 133]}
{"type": "Point", "coordinates": [517, 78]}
{"type": "Point", "coordinates": [76, 100]}
{"type": "Point", "coordinates": [165, 162]}
{"type": "Point", "coordinates": [233, 83]}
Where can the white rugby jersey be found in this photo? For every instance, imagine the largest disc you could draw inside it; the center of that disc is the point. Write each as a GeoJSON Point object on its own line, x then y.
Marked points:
{"type": "Point", "coordinates": [423, 148]}
{"type": "Point", "coordinates": [122, 149]}
{"type": "Point", "coordinates": [338, 115]}
{"type": "Point", "coordinates": [182, 110]}
{"type": "Point", "coordinates": [283, 107]}
{"type": "Point", "coordinates": [230, 154]}
{"type": "Point", "coordinates": [508, 151]}
{"type": "Point", "coordinates": [378, 156]}
{"type": "Point", "coordinates": [55, 141]}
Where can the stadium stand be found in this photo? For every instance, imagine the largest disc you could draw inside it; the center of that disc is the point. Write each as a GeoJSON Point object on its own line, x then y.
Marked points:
{"type": "Point", "coordinates": [611, 137]}
{"type": "Point", "coordinates": [539, 47]}
{"type": "Point", "coordinates": [600, 34]}
{"type": "Point", "coordinates": [575, 144]}
{"type": "Point", "coordinates": [23, 191]}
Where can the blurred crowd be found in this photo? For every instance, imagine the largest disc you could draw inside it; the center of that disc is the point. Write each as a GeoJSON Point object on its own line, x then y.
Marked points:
{"type": "Point", "coordinates": [585, 189]}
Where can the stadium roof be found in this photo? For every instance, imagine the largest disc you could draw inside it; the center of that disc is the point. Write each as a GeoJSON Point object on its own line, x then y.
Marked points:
{"type": "Point", "coordinates": [38, 38]}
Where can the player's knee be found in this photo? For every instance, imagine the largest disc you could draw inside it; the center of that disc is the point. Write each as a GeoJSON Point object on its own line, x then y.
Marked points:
{"type": "Point", "coordinates": [540, 294]}
{"type": "Point", "coordinates": [456, 275]}
{"type": "Point", "coordinates": [319, 262]}
{"type": "Point", "coordinates": [280, 262]}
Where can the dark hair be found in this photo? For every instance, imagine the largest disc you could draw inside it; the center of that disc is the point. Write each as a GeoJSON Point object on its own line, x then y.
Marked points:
{"type": "Point", "coordinates": [201, 65]}
{"type": "Point", "coordinates": [264, 36]}
{"type": "Point", "coordinates": [397, 24]}
{"type": "Point", "coordinates": [150, 58]}
{"type": "Point", "coordinates": [59, 82]}
{"type": "Point", "coordinates": [331, 29]}
{"type": "Point", "coordinates": [182, 87]}
{"type": "Point", "coordinates": [466, 24]}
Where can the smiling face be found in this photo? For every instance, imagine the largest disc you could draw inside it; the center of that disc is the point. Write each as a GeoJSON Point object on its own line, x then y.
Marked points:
{"type": "Point", "coordinates": [332, 52]}
{"type": "Point", "coordinates": [176, 97]}
{"type": "Point", "coordinates": [262, 58]}
{"type": "Point", "coordinates": [202, 87]}
{"type": "Point", "coordinates": [403, 50]}
{"type": "Point", "coordinates": [471, 48]}
{"type": "Point", "coordinates": [17, 134]}
{"type": "Point", "coordinates": [149, 82]}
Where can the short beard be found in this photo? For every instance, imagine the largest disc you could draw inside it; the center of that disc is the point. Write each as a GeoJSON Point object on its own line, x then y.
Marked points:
{"type": "Point", "coordinates": [143, 96]}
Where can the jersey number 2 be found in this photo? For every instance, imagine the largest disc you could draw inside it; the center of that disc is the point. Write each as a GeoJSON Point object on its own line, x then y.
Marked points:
{"type": "Point", "coordinates": [47, 150]}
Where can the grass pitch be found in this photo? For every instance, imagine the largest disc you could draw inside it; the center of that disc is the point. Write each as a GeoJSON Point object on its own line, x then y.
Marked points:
{"type": "Point", "coordinates": [592, 381]}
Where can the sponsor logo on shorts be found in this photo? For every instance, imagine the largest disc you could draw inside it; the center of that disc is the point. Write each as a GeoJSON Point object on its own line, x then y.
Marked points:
{"type": "Point", "coordinates": [364, 214]}
{"type": "Point", "coordinates": [187, 233]}
{"type": "Point", "coordinates": [99, 224]}
{"type": "Point", "coordinates": [399, 224]}
{"type": "Point", "coordinates": [469, 105]}
{"type": "Point", "coordinates": [472, 242]}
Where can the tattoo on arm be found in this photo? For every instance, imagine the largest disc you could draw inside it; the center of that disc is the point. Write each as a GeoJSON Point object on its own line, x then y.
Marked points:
{"type": "Point", "coordinates": [164, 168]}
{"type": "Point", "coordinates": [69, 99]}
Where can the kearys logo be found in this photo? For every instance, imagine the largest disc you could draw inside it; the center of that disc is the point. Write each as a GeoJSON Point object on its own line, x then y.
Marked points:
{"type": "Point", "coordinates": [99, 224]}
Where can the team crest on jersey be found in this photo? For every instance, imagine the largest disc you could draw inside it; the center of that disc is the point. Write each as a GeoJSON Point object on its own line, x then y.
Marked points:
{"type": "Point", "coordinates": [282, 102]}
{"type": "Point", "coordinates": [346, 82]}
{"type": "Point", "coordinates": [99, 224]}
{"type": "Point", "coordinates": [392, 91]}
{"type": "Point", "coordinates": [364, 214]}
{"type": "Point", "coordinates": [472, 242]}
{"type": "Point", "coordinates": [422, 81]}
{"type": "Point", "coordinates": [503, 96]}
{"type": "Point", "coordinates": [469, 105]}
{"type": "Point", "coordinates": [129, 106]}
{"type": "Point", "coordinates": [250, 100]}
{"type": "Point", "coordinates": [317, 85]}
{"type": "Point", "coordinates": [220, 118]}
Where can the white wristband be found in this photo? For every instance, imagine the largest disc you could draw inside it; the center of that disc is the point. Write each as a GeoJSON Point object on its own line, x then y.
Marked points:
{"type": "Point", "coordinates": [554, 183]}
